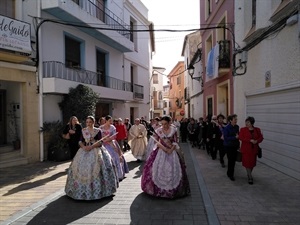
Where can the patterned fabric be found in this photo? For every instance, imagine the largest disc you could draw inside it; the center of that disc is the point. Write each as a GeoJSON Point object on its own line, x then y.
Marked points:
{"type": "Point", "coordinates": [164, 174]}
{"type": "Point", "coordinates": [114, 150]}
{"type": "Point", "coordinates": [92, 174]}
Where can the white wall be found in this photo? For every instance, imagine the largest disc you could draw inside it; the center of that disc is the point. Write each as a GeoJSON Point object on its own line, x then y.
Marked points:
{"type": "Point", "coordinates": [279, 55]}
{"type": "Point", "coordinates": [51, 109]}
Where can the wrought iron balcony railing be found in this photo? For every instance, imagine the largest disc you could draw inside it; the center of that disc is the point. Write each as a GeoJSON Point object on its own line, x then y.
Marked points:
{"type": "Point", "coordinates": [224, 54]}
{"type": "Point", "coordinates": [97, 9]}
{"type": "Point", "coordinates": [59, 70]}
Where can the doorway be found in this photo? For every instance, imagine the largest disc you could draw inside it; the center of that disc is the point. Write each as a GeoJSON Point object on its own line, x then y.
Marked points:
{"type": "Point", "coordinates": [3, 140]}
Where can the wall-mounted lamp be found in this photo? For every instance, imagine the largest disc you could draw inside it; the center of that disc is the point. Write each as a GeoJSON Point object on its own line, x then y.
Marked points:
{"type": "Point", "coordinates": [191, 70]}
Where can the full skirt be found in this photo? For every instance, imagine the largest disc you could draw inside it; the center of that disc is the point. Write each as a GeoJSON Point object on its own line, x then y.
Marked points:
{"type": "Point", "coordinates": [164, 175]}
{"type": "Point", "coordinates": [91, 175]}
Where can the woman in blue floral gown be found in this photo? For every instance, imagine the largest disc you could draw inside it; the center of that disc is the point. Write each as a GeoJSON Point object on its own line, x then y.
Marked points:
{"type": "Point", "coordinates": [92, 174]}
{"type": "Point", "coordinates": [108, 131]}
{"type": "Point", "coordinates": [164, 173]}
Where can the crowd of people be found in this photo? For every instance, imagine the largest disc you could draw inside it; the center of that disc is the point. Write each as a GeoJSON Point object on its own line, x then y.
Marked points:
{"type": "Point", "coordinates": [98, 163]}
{"type": "Point", "coordinates": [215, 136]}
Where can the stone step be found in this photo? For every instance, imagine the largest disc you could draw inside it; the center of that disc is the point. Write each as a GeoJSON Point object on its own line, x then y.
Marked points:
{"type": "Point", "coordinates": [12, 158]}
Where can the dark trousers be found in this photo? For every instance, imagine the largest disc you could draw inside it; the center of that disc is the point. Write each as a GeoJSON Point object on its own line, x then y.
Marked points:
{"type": "Point", "coordinates": [219, 147]}
{"type": "Point", "coordinates": [73, 147]}
{"type": "Point", "coordinates": [231, 156]}
{"type": "Point", "coordinates": [126, 145]}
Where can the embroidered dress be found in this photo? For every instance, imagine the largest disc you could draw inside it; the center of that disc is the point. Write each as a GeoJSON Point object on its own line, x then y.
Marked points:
{"type": "Point", "coordinates": [164, 174]}
{"type": "Point", "coordinates": [115, 151]}
{"type": "Point", "coordinates": [92, 174]}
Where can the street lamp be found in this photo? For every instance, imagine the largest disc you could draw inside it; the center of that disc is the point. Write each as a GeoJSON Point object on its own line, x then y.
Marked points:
{"type": "Point", "coordinates": [191, 70]}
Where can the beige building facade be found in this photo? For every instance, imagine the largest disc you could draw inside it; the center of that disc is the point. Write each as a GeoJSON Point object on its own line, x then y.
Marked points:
{"type": "Point", "coordinates": [19, 118]}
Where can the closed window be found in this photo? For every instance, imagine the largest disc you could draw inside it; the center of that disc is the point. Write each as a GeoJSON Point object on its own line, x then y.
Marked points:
{"type": "Point", "coordinates": [72, 53]}
{"type": "Point", "coordinates": [101, 68]}
{"type": "Point", "coordinates": [7, 8]}
{"type": "Point", "coordinates": [155, 78]}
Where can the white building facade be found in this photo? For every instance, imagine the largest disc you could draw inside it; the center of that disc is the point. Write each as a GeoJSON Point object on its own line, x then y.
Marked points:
{"type": "Point", "coordinates": [94, 43]}
{"type": "Point", "coordinates": [157, 92]}
{"type": "Point", "coordinates": [193, 79]}
{"type": "Point", "coordinates": [267, 82]}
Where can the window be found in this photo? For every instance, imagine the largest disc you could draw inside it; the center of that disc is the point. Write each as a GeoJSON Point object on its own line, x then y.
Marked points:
{"type": "Point", "coordinates": [101, 68]}
{"type": "Point", "coordinates": [155, 78]}
{"type": "Point", "coordinates": [179, 80]}
{"type": "Point", "coordinates": [133, 35]}
{"type": "Point", "coordinates": [253, 13]}
{"type": "Point", "coordinates": [208, 8]}
{"type": "Point", "coordinates": [160, 95]}
{"type": "Point", "coordinates": [7, 8]}
{"type": "Point", "coordinates": [209, 106]}
{"type": "Point", "coordinates": [72, 53]}
{"type": "Point", "coordinates": [221, 33]}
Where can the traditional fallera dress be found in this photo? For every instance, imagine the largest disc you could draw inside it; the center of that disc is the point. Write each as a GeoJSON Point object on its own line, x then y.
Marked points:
{"type": "Point", "coordinates": [164, 175]}
{"type": "Point", "coordinates": [115, 151]}
{"type": "Point", "coordinates": [92, 174]}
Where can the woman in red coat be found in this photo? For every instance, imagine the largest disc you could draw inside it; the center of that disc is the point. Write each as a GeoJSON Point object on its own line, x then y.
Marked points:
{"type": "Point", "coordinates": [250, 136]}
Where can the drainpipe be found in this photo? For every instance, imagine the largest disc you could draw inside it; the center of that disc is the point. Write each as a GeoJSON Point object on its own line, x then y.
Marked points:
{"type": "Point", "coordinates": [40, 83]}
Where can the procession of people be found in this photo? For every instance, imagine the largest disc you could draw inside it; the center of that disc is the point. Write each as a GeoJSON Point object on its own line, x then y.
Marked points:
{"type": "Point", "coordinates": [98, 164]}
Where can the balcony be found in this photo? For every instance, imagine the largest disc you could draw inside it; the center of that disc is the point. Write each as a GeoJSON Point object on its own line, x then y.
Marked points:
{"type": "Point", "coordinates": [57, 78]}
{"type": "Point", "coordinates": [86, 13]}
{"type": "Point", "coordinates": [224, 57]}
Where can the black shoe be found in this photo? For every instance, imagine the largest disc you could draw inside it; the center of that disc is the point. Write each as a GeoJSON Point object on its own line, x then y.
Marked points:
{"type": "Point", "coordinates": [232, 178]}
{"type": "Point", "coordinates": [250, 181]}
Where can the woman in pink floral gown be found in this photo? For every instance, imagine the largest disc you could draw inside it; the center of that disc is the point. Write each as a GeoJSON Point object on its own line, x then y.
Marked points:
{"type": "Point", "coordinates": [164, 173]}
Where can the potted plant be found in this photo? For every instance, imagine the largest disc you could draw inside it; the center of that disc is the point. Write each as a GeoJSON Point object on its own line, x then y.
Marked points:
{"type": "Point", "coordinates": [56, 148]}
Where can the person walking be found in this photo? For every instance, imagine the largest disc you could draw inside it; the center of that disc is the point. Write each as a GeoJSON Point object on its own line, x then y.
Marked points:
{"type": "Point", "coordinates": [219, 139]}
{"type": "Point", "coordinates": [192, 129]}
{"type": "Point", "coordinates": [250, 137]}
{"type": "Point", "coordinates": [72, 132]}
{"type": "Point", "coordinates": [121, 133]}
{"type": "Point", "coordinates": [231, 143]}
{"type": "Point", "coordinates": [91, 174]}
{"type": "Point", "coordinates": [128, 126]}
{"type": "Point", "coordinates": [138, 140]}
{"type": "Point", "coordinates": [164, 173]}
{"type": "Point", "coordinates": [108, 132]}
{"type": "Point", "coordinates": [212, 131]}
{"type": "Point", "coordinates": [183, 130]}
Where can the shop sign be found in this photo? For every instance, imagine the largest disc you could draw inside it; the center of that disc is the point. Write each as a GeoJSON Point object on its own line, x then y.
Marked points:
{"type": "Point", "coordinates": [14, 35]}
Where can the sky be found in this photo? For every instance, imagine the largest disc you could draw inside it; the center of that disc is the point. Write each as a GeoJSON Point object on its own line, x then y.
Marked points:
{"type": "Point", "coordinates": [175, 15]}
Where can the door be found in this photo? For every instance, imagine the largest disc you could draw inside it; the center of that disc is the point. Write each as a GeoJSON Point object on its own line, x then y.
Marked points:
{"type": "Point", "coordinates": [102, 110]}
{"type": "Point", "coordinates": [2, 117]}
{"type": "Point", "coordinates": [277, 114]}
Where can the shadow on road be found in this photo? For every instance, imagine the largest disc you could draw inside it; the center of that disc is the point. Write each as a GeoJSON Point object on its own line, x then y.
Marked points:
{"type": "Point", "coordinates": [65, 210]}
{"type": "Point", "coordinates": [29, 185]}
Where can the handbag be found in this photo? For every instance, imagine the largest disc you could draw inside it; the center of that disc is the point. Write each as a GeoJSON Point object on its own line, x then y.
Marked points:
{"type": "Point", "coordinates": [259, 152]}
{"type": "Point", "coordinates": [238, 156]}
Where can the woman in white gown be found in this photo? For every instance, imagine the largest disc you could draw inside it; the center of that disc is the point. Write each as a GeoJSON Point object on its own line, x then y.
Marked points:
{"type": "Point", "coordinates": [92, 174]}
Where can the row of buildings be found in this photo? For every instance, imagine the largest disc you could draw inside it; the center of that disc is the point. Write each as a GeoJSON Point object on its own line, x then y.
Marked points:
{"type": "Point", "coordinates": [48, 47]}
{"type": "Point", "coordinates": [244, 59]}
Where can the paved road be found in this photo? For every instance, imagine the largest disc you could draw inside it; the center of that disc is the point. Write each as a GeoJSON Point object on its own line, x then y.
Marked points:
{"type": "Point", "coordinates": [33, 194]}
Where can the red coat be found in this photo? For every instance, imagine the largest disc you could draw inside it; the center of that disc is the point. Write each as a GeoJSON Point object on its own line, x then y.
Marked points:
{"type": "Point", "coordinates": [122, 132]}
{"type": "Point", "coordinates": [249, 150]}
